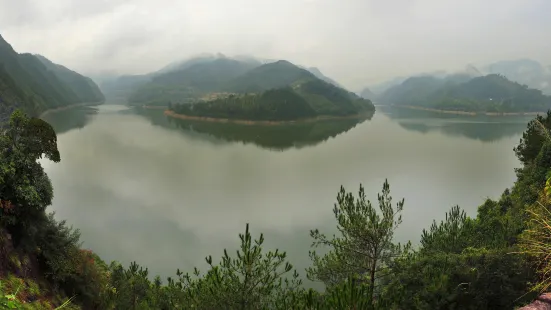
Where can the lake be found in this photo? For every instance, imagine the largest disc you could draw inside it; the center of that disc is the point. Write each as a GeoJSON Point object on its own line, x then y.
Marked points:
{"type": "Point", "coordinates": [166, 193]}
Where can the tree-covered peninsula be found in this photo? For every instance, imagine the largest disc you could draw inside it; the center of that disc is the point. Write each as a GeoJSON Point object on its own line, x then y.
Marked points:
{"type": "Point", "coordinates": [277, 91]}
{"type": "Point", "coordinates": [305, 101]}
{"type": "Point", "coordinates": [233, 89]}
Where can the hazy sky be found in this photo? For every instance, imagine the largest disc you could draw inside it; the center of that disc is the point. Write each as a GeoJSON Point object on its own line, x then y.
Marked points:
{"type": "Point", "coordinates": [356, 42]}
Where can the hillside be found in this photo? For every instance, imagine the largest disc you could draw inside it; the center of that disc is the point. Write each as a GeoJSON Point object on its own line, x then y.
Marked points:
{"type": "Point", "coordinates": [191, 83]}
{"type": "Point", "coordinates": [303, 100]}
{"type": "Point", "coordinates": [366, 93]}
{"type": "Point", "coordinates": [315, 71]}
{"type": "Point", "coordinates": [523, 71]}
{"type": "Point", "coordinates": [490, 93]}
{"type": "Point", "coordinates": [29, 84]}
{"type": "Point", "coordinates": [83, 87]}
{"type": "Point", "coordinates": [328, 99]}
{"type": "Point", "coordinates": [272, 75]}
{"type": "Point", "coordinates": [203, 58]}
{"type": "Point", "coordinates": [210, 77]}
{"type": "Point", "coordinates": [413, 91]}
{"type": "Point", "coordinates": [121, 87]}
{"type": "Point", "coordinates": [273, 105]}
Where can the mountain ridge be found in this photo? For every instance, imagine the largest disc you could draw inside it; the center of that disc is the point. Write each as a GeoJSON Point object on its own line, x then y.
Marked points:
{"type": "Point", "coordinates": [36, 84]}
{"type": "Point", "coordinates": [460, 92]}
{"type": "Point", "coordinates": [276, 91]}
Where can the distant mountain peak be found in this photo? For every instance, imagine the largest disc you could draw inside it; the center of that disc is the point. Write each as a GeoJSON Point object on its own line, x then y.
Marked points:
{"type": "Point", "coordinates": [366, 93]}
{"type": "Point", "coordinates": [472, 70]}
{"type": "Point", "coordinates": [284, 62]}
{"type": "Point", "coordinates": [4, 43]}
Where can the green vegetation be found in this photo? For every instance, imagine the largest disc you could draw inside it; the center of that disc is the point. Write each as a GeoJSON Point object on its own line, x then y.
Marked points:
{"type": "Point", "coordinates": [191, 83]}
{"type": "Point", "coordinates": [247, 90]}
{"type": "Point", "coordinates": [491, 93]}
{"type": "Point", "coordinates": [287, 92]}
{"type": "Point", "coordinates": [277, 104]}
{"type": "Point", "coordinates": [83, 87]}
{"type": "Point", "coordinates": [328, 99]}
{"type": "Point", "coordinates": [34, 84]}
{"type": "Point", "coordinates": [273, 75]}
{"type": "Point", "coordinates": [309, 99]}
{"type": "Point", "coordinates": [496, 260]}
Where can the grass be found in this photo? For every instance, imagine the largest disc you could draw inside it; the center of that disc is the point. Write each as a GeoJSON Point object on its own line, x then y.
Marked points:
{"type": "Point", "coordinates": [14, 293]}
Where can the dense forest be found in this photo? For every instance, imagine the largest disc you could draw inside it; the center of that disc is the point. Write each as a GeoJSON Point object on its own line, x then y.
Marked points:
{"type": "Point", "coordinates": [307, 100]}
{"type": "Point", "coordinates": [35, 84]}
{"type": "Point", "coordinates": [272, 105]}
{"type": "Point", "coordinates": [490, 93]}
{"type": "Point", "coordinates": [496, 260]}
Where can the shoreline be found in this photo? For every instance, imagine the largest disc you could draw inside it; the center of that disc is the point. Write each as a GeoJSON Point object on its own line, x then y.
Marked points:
{"type": "Point", "coordinates": [469, 113]}
{"type": "Point", "coordinates": [67, 107]}
{"type": "Point", "coordinates": [173, 114]}
{"type": "Point", "coordinates": [154, 107]}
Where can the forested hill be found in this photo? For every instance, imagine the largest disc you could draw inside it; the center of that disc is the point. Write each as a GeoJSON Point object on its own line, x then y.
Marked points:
{"type": "Point", "coordinates": [305, 100]}
{"type": "Point", "coordinates": [191, 83]}
{"type": "Point", "coordinates": [208, 77]}
{"type": "Point", "coordinates": [490, 93]}
{"type": "Point", "coordinates": [85, 89]}
{"type": "Point", "coordinates": [273, 75]}
{"type": "Point", "coordinates": [35, 84]}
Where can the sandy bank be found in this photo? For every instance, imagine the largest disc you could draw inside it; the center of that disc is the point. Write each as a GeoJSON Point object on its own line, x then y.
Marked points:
{"type": "Point", "coordinates": [154, 107]}
{"type": "Point", "coordinates": [249, 122]}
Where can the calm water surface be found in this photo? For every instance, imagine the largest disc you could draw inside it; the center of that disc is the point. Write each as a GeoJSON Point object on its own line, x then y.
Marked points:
{"type": "Point", "coordinates": [168, 193]}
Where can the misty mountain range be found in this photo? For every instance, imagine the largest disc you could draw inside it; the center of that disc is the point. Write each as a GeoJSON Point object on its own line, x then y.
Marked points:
{"type": "Point", "coordinates": [247, 88]}
{"type": "Point", "coordinates": [524, 71]}
{"type": "Point", "coordinates": [35, 84]}
{"type": "Point", "coordinates": [122, 86]}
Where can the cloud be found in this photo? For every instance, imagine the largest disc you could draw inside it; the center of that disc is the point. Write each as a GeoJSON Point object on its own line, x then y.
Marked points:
{"type": "Point", "coordinates": [353, 41]}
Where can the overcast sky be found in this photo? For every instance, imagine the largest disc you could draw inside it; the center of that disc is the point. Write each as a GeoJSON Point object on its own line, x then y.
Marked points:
{"type": "Point", "coordinates": [356, 42]}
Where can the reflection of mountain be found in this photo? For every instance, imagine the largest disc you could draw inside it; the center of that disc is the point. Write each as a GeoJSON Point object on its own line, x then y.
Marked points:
{"type": "Point", "coordinates": [482, 128]}
{"type": "Point", "coordinates": [279, 137]}
{"type": "Point", "coordinates": [73, 118]}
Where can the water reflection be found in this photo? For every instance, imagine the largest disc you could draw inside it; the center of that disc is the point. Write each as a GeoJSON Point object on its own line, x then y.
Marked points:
{"type": "Point", "coordinates": [274, 137]}
{"type": "Point", "coordinates": [73, 118]}
{"type": "Point", "coordinates": [142, 189]}
{"type": "Point", "coordinates": [483, 128]}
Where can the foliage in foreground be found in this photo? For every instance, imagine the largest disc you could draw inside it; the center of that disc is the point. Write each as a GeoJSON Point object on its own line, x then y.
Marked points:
{"type": "Point", "coordinates": [461, 262]}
